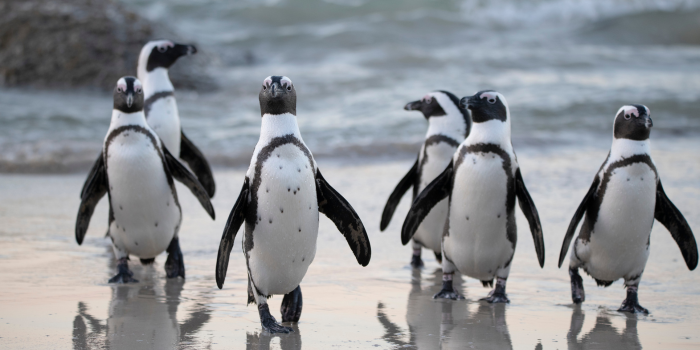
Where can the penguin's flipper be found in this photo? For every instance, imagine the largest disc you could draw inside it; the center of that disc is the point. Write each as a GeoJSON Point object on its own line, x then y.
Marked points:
{"type": "Point", "coordinates": [669, 216]}
{"type": "Point", "coordinates": [336, 208]}
{"type": "Point", "coordinates": [528, 208]}
{"type": "Point", "coordinates": [94, 189]}
{"type": "Point", "coordinates": [439, 189]}
{"type": "Point", "coordinates": [199, 165]}
{"type": "Point", "coordinates": [408, 180]}
{"type": "Point", "coordinates": [577, 217]}
{"type": "Point", "coordinates": [234, 222]}
{"type": "Point", "coordinates": [180, 173]}
{"type": "Point", "coordinates": [98, 162]}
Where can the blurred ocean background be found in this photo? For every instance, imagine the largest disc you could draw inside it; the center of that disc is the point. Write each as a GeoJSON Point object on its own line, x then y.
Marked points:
{"type": "Point", "coordinates": [565, 67]}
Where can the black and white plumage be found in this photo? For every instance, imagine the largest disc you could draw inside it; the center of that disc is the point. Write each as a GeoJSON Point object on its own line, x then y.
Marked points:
{"type": "Point", "coordinates": [448, 126]}
{"type": "Point", "coordinates": [161, 109]}
{"type": "Point", "coordinates": [282, 196]}
{"type": "Point", "coordinates": [137, 172]}
{"type": "Point", "coordinates": [481, 184]}
{"type": "Point", "coordinates": [620, 207]}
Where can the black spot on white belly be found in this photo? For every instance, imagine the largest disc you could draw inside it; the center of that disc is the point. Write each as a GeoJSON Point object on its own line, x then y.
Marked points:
{"type": "Point", "coordinates": [136, 243]}
{"type": "Point", "coordinates": [120, 208]}
{"type": "Point", "coordinates": [299, 229]}
{"type": "Point", "coordinates": [267, 190]}
{"type": "Point", "coordinates": [467, 218]}
{"type": "Point", "coordinates": [270, 220]}
{"type": "Point", "coordinates": [281, 210]}
{"type": "Point", "coordinates": [167, 203]}
{"type": "Point", "coordinates": [156, 223]}
{"type": "Point", "coordinates": [124, 229]}
{"type": "Point", "coordinates": [302, 259]}
{"type": "Point", "coordinates": [298, 170]}
{"type": "Point", "coordinates": [499, 215]}
{"type": "Point", "coordinates": [280, 167]}
{"type": "Point", "coordinates": [288, 189]}
{"type": "Point", "coordinates": [642, 179]}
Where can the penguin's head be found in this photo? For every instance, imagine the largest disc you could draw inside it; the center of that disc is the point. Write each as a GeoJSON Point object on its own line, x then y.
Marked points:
{"type": "Point", "coordinates": [162, 54]}
{"type": "Point", "coordinates": [428, 105]}
{"type": "Point", "coordinates": [278, 96]}
{"type": "Point", "coordinates": [128, 95]}
{"type": "Point", "coordinates": [486, 105]}
{"type": "Point", "coordinates": [633, 122]}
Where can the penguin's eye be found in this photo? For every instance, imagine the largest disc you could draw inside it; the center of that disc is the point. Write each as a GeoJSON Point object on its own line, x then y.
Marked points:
{"type": "Point", "coordinates": [264, 87]}
{"type": "Point", "coordinates": [162, 48]}
{"type": "Point", "coordinates": [427, 100]}
{"type": "Point", "coordinates": [627, 116]}
{"type": "Point", "coordinates": [289, 87]}
{"type": "Point", "coordinates": [120, 89]}
{"type": "Point", "coordinates": [491, 100]}
{"type": "Point", "coordinates": [137, 89]}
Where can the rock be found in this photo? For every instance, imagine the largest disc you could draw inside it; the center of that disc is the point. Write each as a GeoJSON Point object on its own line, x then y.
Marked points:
{"type": "Point", "coordinates": [80, 43]}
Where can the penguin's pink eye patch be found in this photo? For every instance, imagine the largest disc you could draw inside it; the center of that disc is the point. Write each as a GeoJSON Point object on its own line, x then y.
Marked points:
{"type": "Point", "coordinates": [490, 96]}
{"type": "Point", "coordinates": [267, 82]}
{"type": "Point", "coordinates": [137, 87]}
{"type": "Point", "coordinates": [427, 99]}
{"type": "Point", "coordinates": [630, 111]}
{"type": "Point", "coordinates": [286, 83]}
{"type": "Point", "coordinates": [162, 47]}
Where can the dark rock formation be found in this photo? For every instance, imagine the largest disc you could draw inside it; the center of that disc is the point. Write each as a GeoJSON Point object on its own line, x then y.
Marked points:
{"type": "Point", "coordinates": [79, 43]}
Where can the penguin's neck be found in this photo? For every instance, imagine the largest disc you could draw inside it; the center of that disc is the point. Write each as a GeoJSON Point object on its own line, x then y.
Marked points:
{"type": "Point", "coordinates": [450, 125]}
{"type": "Point", "coordinates": [625, 148]}
{"type": "Point", "coordinates": [276, 125]}
{"type": "Point", "coordinates": [120, 118]}
{"type": "Point", "coordinates": [156, 81]}
{"type": "Point", "coordinates": [492, 131]}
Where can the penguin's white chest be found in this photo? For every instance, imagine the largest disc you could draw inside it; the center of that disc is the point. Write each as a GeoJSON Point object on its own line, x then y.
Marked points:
{"type": "Point", "coordinates": [145, 209]}
{"type": "Point", "coordinates": [284, 237]}
{"type": "Point", "coordinates": [434, 159]}
{"type": "Point", "coordinates": [164, 119]}
{"type": "Point", "coordinates": [619, 240]}
{"type": "Point", "coordinates": [477, 242]}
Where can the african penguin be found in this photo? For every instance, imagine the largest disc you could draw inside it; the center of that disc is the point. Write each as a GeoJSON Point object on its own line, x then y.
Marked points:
{"type": "Point", "coordinates": [282, 196]}
{"type": "Point", "coordinates": [620, 207]}
{"type": "Point", "coordinates": [137, 172]}
{"type": "Point", "coordinates": [481, 184]}
{"type": "Point", "coordinates": [448, 125]}
{"type": "Point", "coordinates": [160, 106]}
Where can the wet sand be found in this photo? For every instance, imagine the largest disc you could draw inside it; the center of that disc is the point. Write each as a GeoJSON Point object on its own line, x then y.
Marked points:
{"type": "Point", "coordinates": [55, 294]}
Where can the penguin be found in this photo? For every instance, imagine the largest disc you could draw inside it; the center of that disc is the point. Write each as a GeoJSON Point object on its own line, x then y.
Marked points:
{"type": "Point", "coordinates": [136, 171]}
{"type": "Point", "coordinates": [160, 106]}
{"type": "Point", "coordinates": [448, 126]}
{"type": "Point", "coordinates": [481, 184]}
{"type": "Point", "coordinates": [620, 207]}
{"type": "Point", "coordinates": [280, 201]}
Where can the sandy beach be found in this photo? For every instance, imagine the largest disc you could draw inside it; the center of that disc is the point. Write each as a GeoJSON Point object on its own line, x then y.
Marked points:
{"type": "Point", "coordinates": [55, 293]}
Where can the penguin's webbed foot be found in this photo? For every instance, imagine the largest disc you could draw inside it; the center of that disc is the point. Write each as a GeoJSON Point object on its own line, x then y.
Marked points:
{"type": "Point", "coordinates": [269, 322]}
{"type": "Point", "coordinates": [124, 275]}
{"type": "Point", "coordinates": [496, 297]}
{"type": "Point", "coordinates": [631, 303]}
{"type": "Point", "coordinates": [416, 262]}
{"type": "Point", "coordinates": [175, 264]}
{"type": "Point", "coordinates": [578, 295]}
{"type": "Point", "coordinates": [291, 306]}
{"type": "Point", "coordinates": [448, 292]}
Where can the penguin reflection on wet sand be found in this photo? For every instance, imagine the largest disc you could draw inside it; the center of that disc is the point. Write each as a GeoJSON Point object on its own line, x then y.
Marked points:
{"type": "Point", "coordinates": [445, 325]}
{"type": "Point", "coordinates": [140, 316]}
{"type": "Point", "coordinates": [136, 172]}
{"type": "Point", "coordinates": [620, 207]}
{"type": "Point", "coordinates": [481, 184]}
{"type": "Point", "coordinates": [602, 333]}
{"type": "Point", "coordinates": [160, 106]}
{"type": "Point", "coordinates": [282, 196]}
{"type": "Point", "coordinates": [448, 126]}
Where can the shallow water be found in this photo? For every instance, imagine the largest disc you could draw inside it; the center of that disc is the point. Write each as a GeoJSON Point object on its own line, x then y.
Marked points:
{"type": "Point", "coordinates": [55, 293]}
{"type": "Point", "coordinates": [565, 66]}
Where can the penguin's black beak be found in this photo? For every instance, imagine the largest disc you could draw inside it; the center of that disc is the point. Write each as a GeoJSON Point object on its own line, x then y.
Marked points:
{"type": "Point", "coordinates": [129, 98]}
{"type": "Point", "coordinates": [275, 89]}
{"type": "Point", "coordinates": [413, 106]}
{"type": "Point", "coordinates": [469, 102]}
{"type": "Point", "coordinates": [185, 50]}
